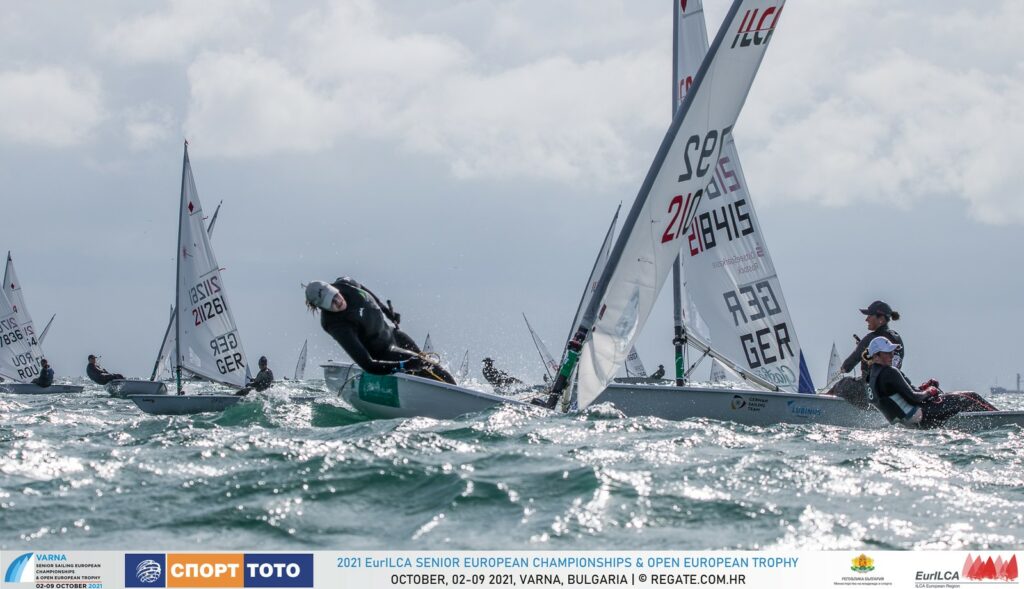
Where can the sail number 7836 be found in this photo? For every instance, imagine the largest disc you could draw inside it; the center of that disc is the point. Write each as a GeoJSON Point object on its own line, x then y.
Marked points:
{"type": "Point", "coordinates": [704, 151]}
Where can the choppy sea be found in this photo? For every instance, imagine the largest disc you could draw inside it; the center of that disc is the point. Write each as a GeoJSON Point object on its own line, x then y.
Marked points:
{"type": "Point", "coordinates": [295, 467]}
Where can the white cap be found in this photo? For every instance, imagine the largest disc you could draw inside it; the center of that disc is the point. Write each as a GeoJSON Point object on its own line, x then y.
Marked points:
{"type": "Point", "coordinates": [320, 294]}
{"type": "Point", "coordinates": [881, 344]}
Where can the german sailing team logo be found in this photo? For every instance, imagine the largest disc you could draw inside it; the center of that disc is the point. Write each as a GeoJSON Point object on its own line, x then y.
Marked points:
{"type": "Point", "coordinates": [22, 569]}
{"type": "Point", "coordinates": [863, 564]}
{"type": "Point", "coordinates": [985, 569]}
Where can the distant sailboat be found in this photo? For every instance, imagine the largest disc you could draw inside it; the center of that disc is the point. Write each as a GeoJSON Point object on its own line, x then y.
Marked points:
{"type": "Point", "coordinates": [163, 367]}
{"type": "Point", "coordinates": [20, 354]}
{"type": "Point", "coordinates": [207, 342]}
{"type": "Point", "coordinates": [835, 366]}
{"type": "Point", "coordinates": [300, 366]}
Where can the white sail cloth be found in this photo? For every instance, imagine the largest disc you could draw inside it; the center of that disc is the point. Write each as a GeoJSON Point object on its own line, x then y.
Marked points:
{"type": "Point", "coordinates": [300, 365]}
{"type": "Point", "coordinates": [208, 340]}
{"type": "Point", "coordinates": [672, 192]}
{"type": "Point", "coordinates": [19, 359]}
{"type": "Point", "coordinates": [731, 278]}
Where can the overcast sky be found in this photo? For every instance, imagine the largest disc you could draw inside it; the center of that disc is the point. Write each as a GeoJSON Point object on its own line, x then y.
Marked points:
{"type": "Point", "coordinates": [463, 159]}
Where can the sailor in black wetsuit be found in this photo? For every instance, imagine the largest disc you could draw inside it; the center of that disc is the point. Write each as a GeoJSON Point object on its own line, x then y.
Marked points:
{"type": "Point", "coordinates": [264, 378]}
{"type": "Point", "coordinates": [499, 379]}
{"type": "Point", "coordinates": [45, 377]}
{"type": "Point", "coordinates": [902, 403]}
{"type": "Point", "coordinates": [659, 373]}
{"type": "Point", "coordinates": [99, 375]}
{"type": "Point", "coordinates": [878, 314]}
{"type": "Point", "coordinates": [358, 320]}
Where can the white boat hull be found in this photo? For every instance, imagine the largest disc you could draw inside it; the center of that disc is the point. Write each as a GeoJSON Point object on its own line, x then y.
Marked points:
{"type": "Point", "coordinates": [769, 408]}
{"type": "Point", "coordinates": [184, 404]}
{"type": "Point", "coordinates": [31, 389]}
{"type": "Point", "coordinates": [742, 406]}
{"type": "Point", "coordinates": [125, 388]}
{"type": "Point", "coordinates": [403, 395]}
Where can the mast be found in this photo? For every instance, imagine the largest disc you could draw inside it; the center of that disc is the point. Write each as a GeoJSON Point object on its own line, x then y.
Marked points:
{"type": "Point", "coordinates": [177, 275]}
{"type": "Point", "coordinates": [679, 332]}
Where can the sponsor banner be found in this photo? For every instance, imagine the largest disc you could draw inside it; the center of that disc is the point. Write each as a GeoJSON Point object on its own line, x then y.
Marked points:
{"type": "Point", "coordinates": [793, 569]}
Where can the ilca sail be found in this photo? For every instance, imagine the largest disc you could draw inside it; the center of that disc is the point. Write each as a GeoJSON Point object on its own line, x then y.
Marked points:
{"type": "Point", "coordinates": [731, 278]}
{"type": "Point", "coordinates": [208, 343]}
{"type": "Point", "coordinates": [669, 198]}
{"type": "Point", "coordinates": [162, 367]}
{"type": "Point", "coordinates": [18, 359]}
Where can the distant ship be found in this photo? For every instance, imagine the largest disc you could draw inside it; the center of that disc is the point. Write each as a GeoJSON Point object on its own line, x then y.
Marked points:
{"type": "Point", "coordinates": [1004, 390]}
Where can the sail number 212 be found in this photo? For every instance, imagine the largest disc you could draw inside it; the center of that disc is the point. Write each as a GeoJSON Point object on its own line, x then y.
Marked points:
{"type": "Point", "coordinates": [704, 151]}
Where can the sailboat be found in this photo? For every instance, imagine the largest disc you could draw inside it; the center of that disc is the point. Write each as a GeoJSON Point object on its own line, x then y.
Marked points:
{"type": "Point", "coordinates": [207, 342]}
{"type": "Point", "coordinates": [162, 367]}
{"type": "Point", "coordinates": [300, 365]}
{"type": "Point", "coordinates": [20, 353]}
{"type": "Point", "coordinates": [668, 202]}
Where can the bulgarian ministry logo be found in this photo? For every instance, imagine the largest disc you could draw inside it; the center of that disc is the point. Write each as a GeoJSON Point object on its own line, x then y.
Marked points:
{"type": "Point", "coordinates": [22, 569]}
{"type": "Point", "coordinates": [863, 564]}
{"type": "Point", "coordinates": [979, 568]}
{"type": "Point", "coordinates": [145, 570]}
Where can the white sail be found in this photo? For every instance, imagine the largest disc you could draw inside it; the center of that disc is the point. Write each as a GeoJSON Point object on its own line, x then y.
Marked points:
{"type": "Point", "coordinates": [42, 336]}
{"type": "Point", "coordinates": [634, 367]}
{"type": "Point", "coordinates": [208, 341]}
{"type": "Point", "coordinates": [722, 373]}
{"type": "Point", "coordinates": [300, 366]}
{"type": "Point", "coordinates": [12, 288]}
{"type": "Point", "coordinates": [672, 193]}
{"type": "Point", "coordinates": [19, 358]}
{"type": "Point", "coordinates": [595, 273]}
{"type": "Point", "coordinates": [162, 368]}
{"type": "Point", "coordinates": [550, 366]}
{"type": "Point", "coordinates": [732, 280]}
{"type": "Point", "coordinates": [428, 346]}
{"type": "Point", "coordinates": [835, 364]}
{"type": "Point", "coordinates": [464, 367]}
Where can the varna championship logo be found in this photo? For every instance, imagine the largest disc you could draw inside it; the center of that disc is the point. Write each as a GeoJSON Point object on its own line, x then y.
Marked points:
{"type": "Point", "coordinates": [863, 564]}
{"type": "Point", "coordinates": [22, 569]}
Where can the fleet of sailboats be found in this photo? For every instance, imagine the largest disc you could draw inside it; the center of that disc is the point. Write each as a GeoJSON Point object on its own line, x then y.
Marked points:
{"type": "Point", "coordinates": [693, 218]}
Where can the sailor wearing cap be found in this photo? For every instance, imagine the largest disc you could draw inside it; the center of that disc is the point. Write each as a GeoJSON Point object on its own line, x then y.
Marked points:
{"type": "Point", "coordinates": [98, 374]}
{"type": "Point", "coordinates": [902, 403]}
{"type": "Point", "coordinates": [877, 315]}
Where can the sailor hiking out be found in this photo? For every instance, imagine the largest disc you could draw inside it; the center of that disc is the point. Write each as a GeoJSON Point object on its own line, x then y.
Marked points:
{"type": "Point", "coordinates": [499, 379]}
{"type": "Point", "coordinates": [357, 319]}
{"type": "Point", "coordinates": [902, 403]}
{"type": "Point", "coordinates": [98, 374]}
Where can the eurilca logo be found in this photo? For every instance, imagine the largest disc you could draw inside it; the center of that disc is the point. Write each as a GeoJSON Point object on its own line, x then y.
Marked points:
{"type": "Point", "coordinates": [979, 569]}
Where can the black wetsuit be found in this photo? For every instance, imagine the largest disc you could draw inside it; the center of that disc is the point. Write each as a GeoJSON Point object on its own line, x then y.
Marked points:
{"type": "Point", "coordinates": [499, 379]}
{"type": "Point", "coordinates": [264, 378]}
{"type": "Point", "coordinates": [99, 375]}
{"type": "Point", "coordinates": [363, 331]}
{"type": "Point", "coordinates": [659, 373]}
{"type": "Point", "coordinates": [45, 378]}
{"type": "Point", "coordinates": [855, 357]}
{"type": "Point", "coordinates": [899, 402]}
